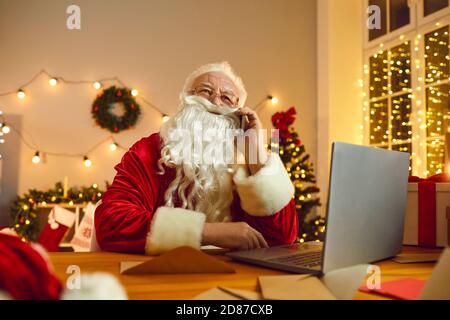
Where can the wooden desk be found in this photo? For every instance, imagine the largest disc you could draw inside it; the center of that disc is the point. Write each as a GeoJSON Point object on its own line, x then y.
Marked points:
{"type": "Point", "coordinates": [187, 286]}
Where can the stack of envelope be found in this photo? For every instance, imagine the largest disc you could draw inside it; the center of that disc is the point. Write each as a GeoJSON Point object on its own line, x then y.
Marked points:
{"type": "Point", "coordinates": [339, 284]}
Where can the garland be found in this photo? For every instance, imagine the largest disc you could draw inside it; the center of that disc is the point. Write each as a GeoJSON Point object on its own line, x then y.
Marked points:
{"type": "Point", "coordinates": [101, 109]}
{"type": "Point", "coordinates": [24, 213]}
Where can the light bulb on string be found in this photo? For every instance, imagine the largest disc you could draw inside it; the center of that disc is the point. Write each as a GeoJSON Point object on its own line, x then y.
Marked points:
{"type": "Point", "coordinates": [273, 99]}
{"type": "Point", "coordinates": [5, 128]}
{"type": "Point", "coordinates": [21, 94]}
{"type": "Point", "coordinates": [53, 82]}
{"type": "Point", "coordinates": [134, 92]}
{"type": "Point", "coordinates": [165, 118]}
{"type": "Point", "coordinates": [113, 146]}
{"type": "Point", "coordinates": [87, 162]}
{"type": "Point", "coordinates": [2, 141]}
{"type": "Point", "coordinates": [97, 85]}
{"type": "Point", "coordinates": [36, 158]}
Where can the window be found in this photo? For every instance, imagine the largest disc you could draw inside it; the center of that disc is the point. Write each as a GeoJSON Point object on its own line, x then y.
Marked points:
{"type": "Point", "coordinates": [437, 102]}
{"type": "Point", "coordinates": [432, 6]}
{"type": "Point", "coordinates": [390, 98]}
{"type": "Point", "coordinates": [406, 82]}
{"type": "Point", "coordinates": [395, 14]}
{"type": "Point", "coordinates": [399, 14]}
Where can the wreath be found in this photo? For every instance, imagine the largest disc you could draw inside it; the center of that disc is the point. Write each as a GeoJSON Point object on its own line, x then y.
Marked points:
{"type": "Point", "coordinates": [115, 109]}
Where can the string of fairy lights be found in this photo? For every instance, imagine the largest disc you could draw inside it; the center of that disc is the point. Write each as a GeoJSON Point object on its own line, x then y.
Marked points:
{"type": "Point", "coordinates": [21, 93]}
{"type": "Point", "coordinates": [406, 98]}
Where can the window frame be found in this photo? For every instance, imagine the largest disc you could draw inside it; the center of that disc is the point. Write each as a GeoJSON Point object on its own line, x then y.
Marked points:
{"type": "Point", "coordinates": [421, 20]}
{"type": "Point", "coordinates": [418, 26]}
{"type": "Point", "coordinates": [389, 35]}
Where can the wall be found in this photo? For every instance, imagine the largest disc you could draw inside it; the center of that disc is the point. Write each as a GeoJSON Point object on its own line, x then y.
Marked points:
{"type": "Point", "coordinates": [340, 62]}
{"type": "Point", "coordinates": [150, 45]}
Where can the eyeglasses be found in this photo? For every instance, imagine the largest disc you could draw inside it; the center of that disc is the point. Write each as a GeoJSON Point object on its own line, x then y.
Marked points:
{"type": "Point", "coordinates": [208, 93]}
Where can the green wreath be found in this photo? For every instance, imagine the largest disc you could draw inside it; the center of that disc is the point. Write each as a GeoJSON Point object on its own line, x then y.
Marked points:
{"type": "Point", "coordinates": [102, 109]}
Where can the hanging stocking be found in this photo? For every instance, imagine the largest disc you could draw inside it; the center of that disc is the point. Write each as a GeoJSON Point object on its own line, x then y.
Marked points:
{"type": "Point", "coordinates": [59, 221]}
{"type": "Point", "coordinates": [81, 241]}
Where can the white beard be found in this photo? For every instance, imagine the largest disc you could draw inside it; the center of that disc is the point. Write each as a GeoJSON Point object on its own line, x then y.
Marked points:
{"type": "Point", "coordinates": [203, 182]}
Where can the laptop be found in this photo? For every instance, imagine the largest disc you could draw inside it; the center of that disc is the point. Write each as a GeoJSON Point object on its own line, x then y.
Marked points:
{"type": "Point", "coordinates": [365, 215]}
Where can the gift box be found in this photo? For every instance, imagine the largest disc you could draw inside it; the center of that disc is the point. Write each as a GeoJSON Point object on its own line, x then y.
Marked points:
{"type": "Point", "coordinates": [427, 217]}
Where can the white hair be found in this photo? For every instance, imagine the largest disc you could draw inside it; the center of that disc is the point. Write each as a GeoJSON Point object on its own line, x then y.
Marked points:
{"type": "Point", "coordinates": [199, 186]}
{"type": "Point", "coordinates": [223, 67]}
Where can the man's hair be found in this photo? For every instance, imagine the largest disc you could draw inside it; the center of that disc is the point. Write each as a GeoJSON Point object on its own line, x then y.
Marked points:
{"type": "Point", "coordinates": [223, 67]}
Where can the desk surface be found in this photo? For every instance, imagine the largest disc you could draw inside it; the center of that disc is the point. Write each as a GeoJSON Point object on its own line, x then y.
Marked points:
{"type": "Point", "coordinates": [187, 286]}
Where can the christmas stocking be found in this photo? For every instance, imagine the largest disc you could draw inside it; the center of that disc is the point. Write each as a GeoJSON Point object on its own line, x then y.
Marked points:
{"type": "Point", "coordinates": [81, 241]}
{"type": "Point", "coordinates": [59, 221]}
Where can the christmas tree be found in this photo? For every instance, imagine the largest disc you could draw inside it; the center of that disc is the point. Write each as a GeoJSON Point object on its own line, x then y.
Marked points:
{"type": "Point", "coordinates": [301, 172]}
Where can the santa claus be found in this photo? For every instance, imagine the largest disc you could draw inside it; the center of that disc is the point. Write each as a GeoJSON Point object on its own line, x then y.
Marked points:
{"type": "Point", "coordinates": [171, 190]}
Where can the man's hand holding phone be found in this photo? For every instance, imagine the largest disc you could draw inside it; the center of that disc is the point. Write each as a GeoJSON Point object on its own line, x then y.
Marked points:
{"type": "Point", "coordinates": [250, 120]}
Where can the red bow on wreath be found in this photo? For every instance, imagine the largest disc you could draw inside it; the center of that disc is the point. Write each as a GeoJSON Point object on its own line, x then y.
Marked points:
{"type": "Point", "coordinates": [282, 121]}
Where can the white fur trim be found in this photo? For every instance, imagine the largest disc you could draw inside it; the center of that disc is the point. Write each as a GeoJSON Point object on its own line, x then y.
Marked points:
{"type": "Point", "coordinates": [4, 295]}
{"type": "Point", "coordinates": [223, 67]}
{"type": "Point", "coordinates": [63, 216]}
{"type": "Point", "coordinates": [96, 286]}
{"type": "Point", "coordinates": [266, 192]}
{"type": "Point", "coordinates": [174, 227]}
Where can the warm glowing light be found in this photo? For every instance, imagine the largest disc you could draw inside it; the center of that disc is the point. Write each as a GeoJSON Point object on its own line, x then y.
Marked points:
{"type": "Point", "coordinates": [53, 82]}
{"type": "Point", "coordinates": [165, 118]}
{"type": "Point", "coordinates": [274, 100]}
{"type": "Point", "coordinates": [36, 158]}
{"type": "Point", "coordinates": [134, 92]}
{"type": "Point", "coordinates": [87, 162]}
{"type": "Point", "coordinates": [5, 129]}
{"type": "Point", "coordinates": [113, 146]}
{"type": "Point", "coordinates": [97, 85]}
{"type": "Point", "coordinates": [21, 94]}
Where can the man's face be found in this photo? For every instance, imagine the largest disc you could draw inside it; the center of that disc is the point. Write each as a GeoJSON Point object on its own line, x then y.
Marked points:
{"type": "Point", "coordinates": [217, 88]}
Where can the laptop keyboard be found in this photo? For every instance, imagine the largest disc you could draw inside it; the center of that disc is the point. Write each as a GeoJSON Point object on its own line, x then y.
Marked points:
{"type": "Point", "coordinates": [305, 259]}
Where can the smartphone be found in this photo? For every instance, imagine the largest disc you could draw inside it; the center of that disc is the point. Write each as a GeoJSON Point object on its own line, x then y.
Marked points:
{"type": "Point", "coordinates": [244, 122]}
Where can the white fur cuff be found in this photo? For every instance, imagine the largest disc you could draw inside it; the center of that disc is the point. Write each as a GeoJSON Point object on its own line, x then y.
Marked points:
{"type": "Point", "coordinates": [95, 286]}
{"type": "Point", "coordinates": [172, 228]}
{"type": "Point", "coordinates": [266, 192]}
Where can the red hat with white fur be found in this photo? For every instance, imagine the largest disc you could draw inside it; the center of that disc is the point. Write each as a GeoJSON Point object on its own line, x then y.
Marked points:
{"type": "Point", "coordinates": [26, 274]}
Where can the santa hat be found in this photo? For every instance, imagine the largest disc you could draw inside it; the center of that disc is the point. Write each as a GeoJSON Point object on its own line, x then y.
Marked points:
{"type": "Point", "coordinates": [223, 67]}
{"type": "Point", "coordinates": [25, 274]}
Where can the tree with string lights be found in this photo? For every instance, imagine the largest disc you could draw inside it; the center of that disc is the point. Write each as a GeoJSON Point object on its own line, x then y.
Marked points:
{"type": "Point", "coordinates": [301, 172]}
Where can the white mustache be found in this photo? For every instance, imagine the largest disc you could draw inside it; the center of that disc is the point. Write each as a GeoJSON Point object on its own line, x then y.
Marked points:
{"type": "Point", "coordinates": [210, 107]}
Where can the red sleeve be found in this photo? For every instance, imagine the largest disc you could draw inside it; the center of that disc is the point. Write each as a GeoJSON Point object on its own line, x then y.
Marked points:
{"type": "Point", "coordinates": [266, 201]}
{"type": "Point", "coordinates": [278, 229]}
{"type": "Point", "coordinates": [122, 220]}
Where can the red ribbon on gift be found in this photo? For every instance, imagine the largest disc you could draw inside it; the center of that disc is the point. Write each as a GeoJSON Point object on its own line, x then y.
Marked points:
{"type": "Point", "coordinates": [427, 207]}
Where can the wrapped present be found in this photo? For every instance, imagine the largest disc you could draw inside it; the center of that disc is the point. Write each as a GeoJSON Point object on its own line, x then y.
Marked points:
{"type": "Point", "coordinates": [426, 221]}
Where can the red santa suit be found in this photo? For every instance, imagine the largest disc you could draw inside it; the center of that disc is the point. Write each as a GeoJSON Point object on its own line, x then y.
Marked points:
{"type": "Point", "coordinates": [133, 218]}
